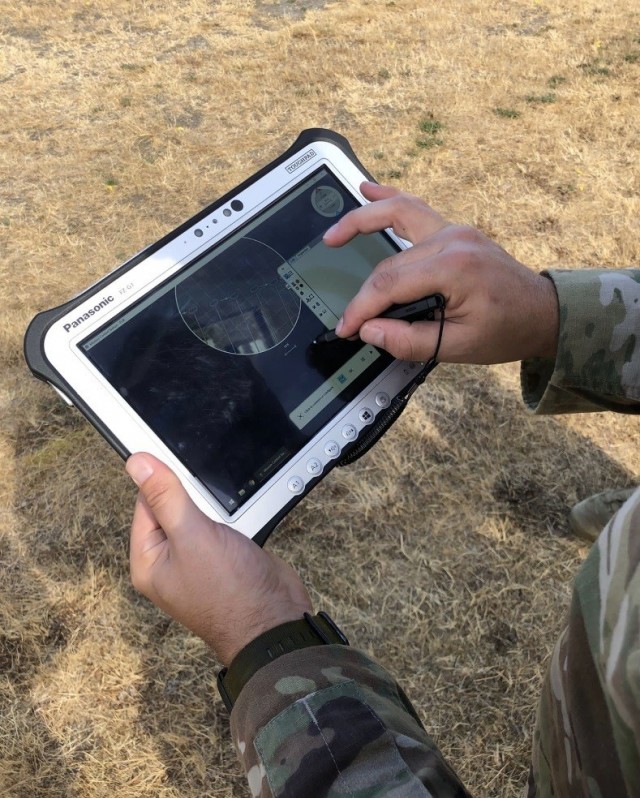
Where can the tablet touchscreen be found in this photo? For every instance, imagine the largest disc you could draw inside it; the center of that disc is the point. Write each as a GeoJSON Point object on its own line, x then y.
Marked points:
{"type": "Point", "coordinates": [218, 361]}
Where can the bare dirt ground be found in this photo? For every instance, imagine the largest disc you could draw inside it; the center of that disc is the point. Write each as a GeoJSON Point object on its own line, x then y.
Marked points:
{"type": "Point", "coordinates": [444, 552]}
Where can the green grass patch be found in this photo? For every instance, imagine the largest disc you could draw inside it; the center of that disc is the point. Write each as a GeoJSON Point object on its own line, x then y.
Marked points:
{"type": "Point", "coordinates": [555, 81]}
{"type": "Point", "coordinates": [507, 113]}
{"type": "Point", "coordinates": [53, 450]}
{"type": "Point", "coordinates": [595, 69]}
{"type": "Point", "coordinates": [540, 99]}
{"type": "Point", "coordinates": [430, 128]}
{"type": "Point", "coordinates": [428, 143]}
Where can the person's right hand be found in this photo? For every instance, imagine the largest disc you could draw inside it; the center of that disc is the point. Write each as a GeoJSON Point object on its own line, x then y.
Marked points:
{"type": "Point", "coordinates": [497, 309]}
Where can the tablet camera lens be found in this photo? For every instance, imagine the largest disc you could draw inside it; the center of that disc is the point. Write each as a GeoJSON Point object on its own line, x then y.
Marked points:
{"type": "Point", "coordinates": [198, 232]}
{"type": "Point", "coordinates": [226, 212]}
{"type": "Point", "coordinates": [236, 205]}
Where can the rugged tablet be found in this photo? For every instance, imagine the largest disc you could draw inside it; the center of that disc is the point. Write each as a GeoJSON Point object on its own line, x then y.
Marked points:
{"type": "Point", "coordinates": [199, 349]}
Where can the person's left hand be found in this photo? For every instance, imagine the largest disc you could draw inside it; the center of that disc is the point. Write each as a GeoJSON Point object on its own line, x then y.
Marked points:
{"type": "Point", "coordinates": [213, 580]}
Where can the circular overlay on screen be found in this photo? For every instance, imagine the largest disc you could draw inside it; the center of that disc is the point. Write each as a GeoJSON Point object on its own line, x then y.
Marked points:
{"type": "Point", "coordinates": [237, 303]}
{"type": "Point", "coordinates": [327, 201]}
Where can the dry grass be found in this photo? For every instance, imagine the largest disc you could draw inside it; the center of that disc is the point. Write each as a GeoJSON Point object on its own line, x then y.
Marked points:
{"type": "Point", "coordinates": [444, 551]}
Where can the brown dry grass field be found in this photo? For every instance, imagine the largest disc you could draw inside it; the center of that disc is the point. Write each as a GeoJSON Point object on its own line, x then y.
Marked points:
{"type": "Point", "coordinates": [444, 552]}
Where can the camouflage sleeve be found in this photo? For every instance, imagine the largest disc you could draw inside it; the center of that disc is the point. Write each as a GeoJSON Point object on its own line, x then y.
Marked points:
{"type": "Point", "coordinates": [597, 365]}
{"type": "Point", "coordinates": [587, 739]}
{"type": "Point", "coordinates": [328, 721]}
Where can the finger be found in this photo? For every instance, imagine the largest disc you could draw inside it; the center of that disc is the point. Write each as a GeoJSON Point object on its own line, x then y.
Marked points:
{"type": "Point", "coordinates": [377, 191]}
{"type": "Point", "coordinates": [408, 216]}
{"type": "Point", "coordinates": [405, 277]}
{"type": "Point", "coordinates": [165, 497]}
{"type": "Point", "coordinates": [146, 541]}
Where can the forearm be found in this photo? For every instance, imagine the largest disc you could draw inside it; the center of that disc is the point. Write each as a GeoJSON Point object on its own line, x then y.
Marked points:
{"type": "Point", "coordinates": [588, 725]}
{"type": "Point", "coordinates": [330, 716]}
{"type": "Point", "coordinates": [597, 365]}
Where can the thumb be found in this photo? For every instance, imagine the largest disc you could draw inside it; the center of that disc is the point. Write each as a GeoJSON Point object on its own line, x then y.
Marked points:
{"type": "Point", "coordinates": [164, 495]}
{"type": "Point", "coordinates": [403, 340]}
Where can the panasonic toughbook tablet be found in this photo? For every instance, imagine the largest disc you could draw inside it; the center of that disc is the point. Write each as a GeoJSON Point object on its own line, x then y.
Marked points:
{"type": "Point", "coordinates": [200, 350]}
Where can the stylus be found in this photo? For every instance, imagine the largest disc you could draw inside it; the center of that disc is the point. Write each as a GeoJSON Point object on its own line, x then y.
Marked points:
{"type": "Point", "coordinates": [415, 311]}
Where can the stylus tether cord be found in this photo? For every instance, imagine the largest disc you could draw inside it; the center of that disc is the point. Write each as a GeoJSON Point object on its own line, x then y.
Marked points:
{"type": "Point", "coordinates": [432, 362]}
{"type": "Point", "coordinates": [389, 416]}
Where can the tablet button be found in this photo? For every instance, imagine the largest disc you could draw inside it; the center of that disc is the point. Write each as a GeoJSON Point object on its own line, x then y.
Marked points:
{"type": "Point", "coordinates": [296, 484]}
{"type": "Point", "coordinates": [332, 449]}
{"type": "Point", "coordinates": [365, 415]}
{"type": "Point", "coordinates": [349, 432]}
{"type": "Point", "coordinates": [314, 466]}
{"type": "Point", "coordinates": [382, 399]}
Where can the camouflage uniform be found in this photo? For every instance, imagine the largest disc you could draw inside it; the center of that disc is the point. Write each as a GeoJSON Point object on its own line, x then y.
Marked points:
{"type": "Point", "coordinates": [329, 721]}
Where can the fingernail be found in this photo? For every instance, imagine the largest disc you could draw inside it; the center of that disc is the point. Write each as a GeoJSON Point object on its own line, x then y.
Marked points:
{"type": "Point", "coordinates": [330, 230]}
{"type": "Point", "coordinates": [139, 469]}
{"type": "Point", "coordinates": [372, 334]}
{"type": "Point", "coordinates": [339, 325]}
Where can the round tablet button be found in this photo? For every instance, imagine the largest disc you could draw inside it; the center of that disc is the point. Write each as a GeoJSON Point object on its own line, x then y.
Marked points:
{"type": "Point", "coordinates": [349, 432]}
{"type": "Point", "coordinates": [382, 399]}
{"type": "Point", "coordinates": [332, 449]}
{"type": "Point", "coordinates": [296, 484]}
{"type": "Point", "coordinates": [365, 415]}
{"type": "Point", "coordinates": [314, 466]}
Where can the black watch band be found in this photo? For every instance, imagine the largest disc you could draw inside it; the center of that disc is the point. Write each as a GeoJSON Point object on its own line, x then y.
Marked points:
{"type": "Point", "coordinates": [309, 631]}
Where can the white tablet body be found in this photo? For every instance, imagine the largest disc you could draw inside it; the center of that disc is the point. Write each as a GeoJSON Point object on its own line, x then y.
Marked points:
{"type": "Point", "coordinates": [200, 349]}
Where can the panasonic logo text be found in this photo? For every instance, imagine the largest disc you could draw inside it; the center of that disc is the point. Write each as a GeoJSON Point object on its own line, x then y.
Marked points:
{"type": "Point", "coordinates": [302, 159]}
{"type": "Point", "coordinates": [71, 325]}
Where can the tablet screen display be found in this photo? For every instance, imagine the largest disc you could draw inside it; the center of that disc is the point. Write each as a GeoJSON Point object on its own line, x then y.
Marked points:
{"type": "Point", "coordinates": [219, 361]}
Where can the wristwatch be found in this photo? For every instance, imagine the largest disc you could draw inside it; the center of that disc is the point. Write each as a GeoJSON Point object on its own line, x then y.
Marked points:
{"type": "Point", "coordinates": [317, 630]}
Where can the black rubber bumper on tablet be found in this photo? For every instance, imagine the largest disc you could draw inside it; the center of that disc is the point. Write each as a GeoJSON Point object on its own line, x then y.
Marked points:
{"type": "Point", "coordinates": [41, 367]}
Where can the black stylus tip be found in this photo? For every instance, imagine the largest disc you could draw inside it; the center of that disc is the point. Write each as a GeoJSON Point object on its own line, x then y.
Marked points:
{"type": "Point", "coordinates": [326, 337]}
